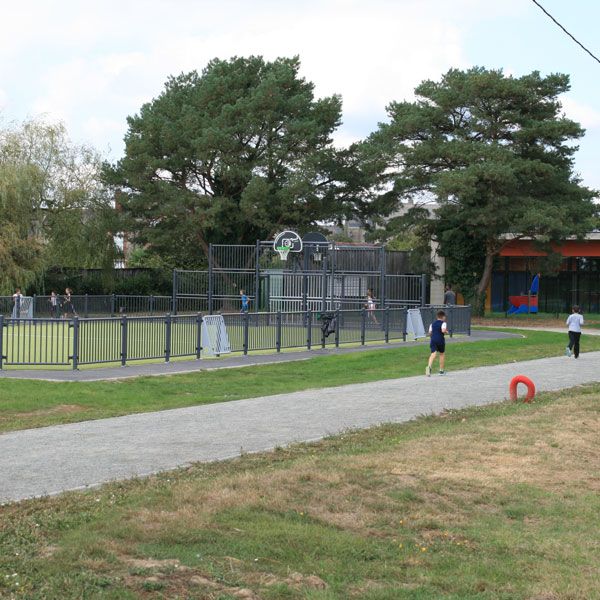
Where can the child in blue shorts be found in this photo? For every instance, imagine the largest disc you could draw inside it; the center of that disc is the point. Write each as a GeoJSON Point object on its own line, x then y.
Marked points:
{"type": "Point", "coordinates": [437, 332]}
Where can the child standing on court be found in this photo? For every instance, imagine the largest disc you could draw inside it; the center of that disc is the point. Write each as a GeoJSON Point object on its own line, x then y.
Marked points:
{"type": "Point", "coordinates": [437, 333]}
{"type": "Point", "coordinates": [574, 323]}
{"type": "Point", "coordinates": [245, 301]}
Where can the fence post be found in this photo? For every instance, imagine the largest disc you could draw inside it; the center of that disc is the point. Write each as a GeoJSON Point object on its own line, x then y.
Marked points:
{"type": "Point", "coordinates": [151, 305]}
{"type": "Point", "coordinates": [338, 324]}
{"type": "Point", "coordinates": [322, 333]}
{"type": "Point", "coordinates": [198, 334]}
{"type": "Point", "coordinates": [210, 279]}
{"type": "Point", "coordinates": [324, 280]}
{"type": "Point", "coordinates": [308, 329]}
{"type": "Point", "coordinates": [33, 305]}
{"type": "Point", "coordinates": [167, 337]}
{"type": "Point", "coordinates": [123, 340]}
{"type": "Point", "coordinates": [86, 307]}
{"type": "Point", "coordinates": [1, 340]}
{"type": "Point", "coordinates": [257, 277]}
{"type": "Point", "coordinates": [404, 323]}
{"type": "Point", "coordinates": [363, 326]}
{"type": "Point", "coordinates": [112, 305]}
{"type": "Point", "coordinates": [450, 325]}
{"type": "Point", "coordinates": [423, 290]}
{"type": "Point", "coordinates": [174, 293]}
{"type": "Point", "coordinates": [245, 342]}
{"type": "Point", "coordinates": [386, 324]}
{"type": "Point", "coordinates": [75, 343]}
{"type": "Point", "coordinates": [469, 309]}
{"type": "Point", "coordinates": [278, 332]}
{"type": "Point", "coordinates": [382, 274]}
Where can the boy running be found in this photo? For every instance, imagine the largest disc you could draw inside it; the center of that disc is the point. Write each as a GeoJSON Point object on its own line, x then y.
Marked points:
{"type": "Point", "coordinates": [574, 323]}
{"type": "Point", "coordinates": [437, 331]}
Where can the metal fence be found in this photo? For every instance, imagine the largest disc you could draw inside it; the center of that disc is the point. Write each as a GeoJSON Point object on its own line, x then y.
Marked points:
{"type": "Point", "coordinates": [322, 276]}
{"type": "Point", "coordinates": [78, 341]}
{"type": "Point", "coordinates": [88, 305]}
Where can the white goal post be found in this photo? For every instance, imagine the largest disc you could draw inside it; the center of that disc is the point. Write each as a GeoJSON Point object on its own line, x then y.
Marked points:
{"type": "Point", "coordinates": [414, 323]}
{"type": "Point", "coordinates": [215, 340]}
{"type": "Point", "coordinates": [24, 310]}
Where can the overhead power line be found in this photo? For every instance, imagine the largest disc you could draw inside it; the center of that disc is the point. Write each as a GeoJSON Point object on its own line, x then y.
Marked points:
{"type": "Point", "coordinates": [569, 34]}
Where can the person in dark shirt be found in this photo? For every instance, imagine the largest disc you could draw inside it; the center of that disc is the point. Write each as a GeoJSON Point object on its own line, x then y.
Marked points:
{"type": "Point", "coordinates": [437, 344]}
{"type": "Point", "coordinates": [449, 296]}
{"type": "Point", "coordinates": [67, 304]}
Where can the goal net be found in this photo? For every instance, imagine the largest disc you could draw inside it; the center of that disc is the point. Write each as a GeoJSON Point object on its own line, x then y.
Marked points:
{"type": "Point", "coordinates": [414, 323]}
{"type": "Point", "coordinates": [23, 308]}
{"type": "Point", "coordinates": [215, 340]}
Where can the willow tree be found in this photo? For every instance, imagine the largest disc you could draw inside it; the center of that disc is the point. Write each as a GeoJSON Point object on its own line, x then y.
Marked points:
{"type": "Point", "coordinates": [54, 210]}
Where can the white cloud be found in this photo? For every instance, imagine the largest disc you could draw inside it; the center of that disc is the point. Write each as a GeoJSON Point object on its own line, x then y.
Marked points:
{"type": "Point", "coordinates": [103, 60]}
{"type": "Point", "coordinates": [584, 114]}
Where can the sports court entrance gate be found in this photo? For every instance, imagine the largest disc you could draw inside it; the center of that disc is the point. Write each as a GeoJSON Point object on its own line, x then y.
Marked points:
{"type": "Point", "coordinates": [331, 276]}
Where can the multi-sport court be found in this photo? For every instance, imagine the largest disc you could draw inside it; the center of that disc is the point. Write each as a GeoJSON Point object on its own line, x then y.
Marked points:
{"type": "Point", "coordinates": [72, 343]}
{"type": "Point", "coordinates": [303, 293]}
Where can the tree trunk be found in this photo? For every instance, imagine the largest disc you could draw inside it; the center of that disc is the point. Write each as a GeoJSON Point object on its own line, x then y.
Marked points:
{"type": "Point", "coordinates": [484, 282]}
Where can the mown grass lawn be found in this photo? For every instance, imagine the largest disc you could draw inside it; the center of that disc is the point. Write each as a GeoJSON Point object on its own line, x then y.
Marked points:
{"type": "Point", "coordinates": [25, 404]}
{"type": "Point", "coordinates": [499, 502]}
{"type": "Point", "coordinates": [533, 320]}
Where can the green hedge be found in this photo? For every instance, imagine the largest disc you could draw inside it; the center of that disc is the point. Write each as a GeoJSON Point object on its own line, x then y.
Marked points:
{"type": "Point", "coordinates": [97, 281]}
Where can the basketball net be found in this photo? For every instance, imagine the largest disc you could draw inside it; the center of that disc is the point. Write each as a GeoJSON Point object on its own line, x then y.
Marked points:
{"type": "Point", "coordinates": [283, 251]}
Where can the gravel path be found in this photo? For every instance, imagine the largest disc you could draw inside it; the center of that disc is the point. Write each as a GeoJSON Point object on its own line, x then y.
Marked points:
{"type": "Point", "coordinates": [66, 457]}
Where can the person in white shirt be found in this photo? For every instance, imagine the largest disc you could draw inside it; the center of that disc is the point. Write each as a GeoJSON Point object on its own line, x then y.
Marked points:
{"type": "Point", "coordinates": [574, 323]}
{"type": "Point", "coordinates": [17, 299]}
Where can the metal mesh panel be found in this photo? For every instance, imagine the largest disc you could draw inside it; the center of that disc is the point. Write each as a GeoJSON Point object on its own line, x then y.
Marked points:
{"type": "Point", "coordinates": [99, 341]}
{"type": "Point", "coordinates": [146, 338]}
{"type": "Point", "coordinates": [184, 335]}
{"type": "Point", "coordinates": [36, 342]}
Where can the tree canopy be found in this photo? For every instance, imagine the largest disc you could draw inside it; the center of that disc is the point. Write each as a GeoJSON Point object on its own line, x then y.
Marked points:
{"type": "Point", "coordinates": [496, 153]}
{"type": "Point", "coordinates": [230, 155]}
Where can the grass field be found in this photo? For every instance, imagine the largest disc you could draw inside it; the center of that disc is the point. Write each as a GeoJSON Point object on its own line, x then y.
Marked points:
{"type": "Point", "coordinates": [490, 503]}
{"type": "Point", "coordinates": [25, 404]}
{"type": "Point", "coordinates": [533, 320]}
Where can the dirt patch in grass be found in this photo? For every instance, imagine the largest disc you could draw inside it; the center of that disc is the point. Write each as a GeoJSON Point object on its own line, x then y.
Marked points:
{"type": "Point", "coordinates": [61, 409]}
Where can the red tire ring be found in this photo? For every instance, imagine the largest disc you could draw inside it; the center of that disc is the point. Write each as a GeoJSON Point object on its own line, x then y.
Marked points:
{"type": "Point", "coordinates": [514, 382]}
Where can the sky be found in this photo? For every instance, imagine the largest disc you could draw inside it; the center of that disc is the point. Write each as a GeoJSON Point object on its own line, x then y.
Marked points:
{"type": "Point", "coordinates": [90, 65]}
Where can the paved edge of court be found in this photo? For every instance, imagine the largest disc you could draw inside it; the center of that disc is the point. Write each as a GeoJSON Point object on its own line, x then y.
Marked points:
{"type": "Point", "coordinates": [239, 360]}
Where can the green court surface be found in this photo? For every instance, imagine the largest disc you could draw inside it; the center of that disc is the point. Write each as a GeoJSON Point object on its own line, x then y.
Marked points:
{"type": "Point", "coordinates": [51, 343]}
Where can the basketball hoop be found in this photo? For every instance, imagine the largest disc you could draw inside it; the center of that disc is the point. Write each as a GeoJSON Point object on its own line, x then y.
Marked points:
{"type": "Point", "coordinates": [286, 242]}
{"type": "Point", "coordinates": [283, 251]}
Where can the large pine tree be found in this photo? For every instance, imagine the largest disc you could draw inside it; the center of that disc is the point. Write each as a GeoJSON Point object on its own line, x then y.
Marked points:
{"type": "Point", "coordinates": [230, 155]}
{"type": "Point", "coordinates": [496, 152]}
